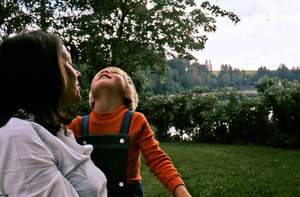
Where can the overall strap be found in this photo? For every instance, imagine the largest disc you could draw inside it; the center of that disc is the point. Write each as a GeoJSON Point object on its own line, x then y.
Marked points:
{"type": "Point", "coordinates": [126, 122]}
{"type": "Point", "coordinates": [84, 127]}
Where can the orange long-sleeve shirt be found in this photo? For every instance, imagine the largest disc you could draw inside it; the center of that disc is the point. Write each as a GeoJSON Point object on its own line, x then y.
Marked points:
{"type": "Point", "coordinates": [141, 140]}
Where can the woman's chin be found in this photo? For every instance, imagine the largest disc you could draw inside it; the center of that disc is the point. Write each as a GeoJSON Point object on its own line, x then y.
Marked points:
{"type": "Point", "coordinates": [71, 101]}
{"type": "Point", "coordinates": [77, 99]}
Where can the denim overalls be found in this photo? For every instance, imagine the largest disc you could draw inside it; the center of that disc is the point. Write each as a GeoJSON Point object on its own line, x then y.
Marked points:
{"type": "Point", "coordinates": [110, 155]}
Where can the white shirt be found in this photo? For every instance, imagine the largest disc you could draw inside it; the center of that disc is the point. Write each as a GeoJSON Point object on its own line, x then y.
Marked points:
{"type": "Point", "coordinates": [33, 162]}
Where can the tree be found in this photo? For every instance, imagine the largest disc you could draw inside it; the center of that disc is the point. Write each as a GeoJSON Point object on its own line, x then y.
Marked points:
{"type": "Point", "coordinates": [224, 77]}
{"type": "Point", "coordinates": [261, 72]}
{"type": "Point", "coordinates": [201, 73]}
{"type": "Point", "coordinates": [295, 72]}
{"type": "Point", "coordinates": [176, 78]}
{"type": "Point", "coordinates": [135, 35]}
{"type": "Point", "coordinates": [283, 72]}
{"type": "Point", "coordinates": [131, 34]}
{"type": "Point", "coordinates": [51, 16]}
{"type": "Point", "coordinates": [237, 78]}
{"type": "Point", "coordinates": [12, 19]}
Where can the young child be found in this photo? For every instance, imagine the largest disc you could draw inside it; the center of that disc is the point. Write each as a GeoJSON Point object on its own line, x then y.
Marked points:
{"type": "Point", "coordinates": [112, 95]}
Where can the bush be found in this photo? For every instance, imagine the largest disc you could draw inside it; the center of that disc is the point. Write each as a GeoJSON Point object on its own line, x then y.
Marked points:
{"type": "Point", "coordinates": [158, 111]}
{"type": "Point", "coordinates": [226, 116]}
{"type": "Point", "coordinates": [282, 98]}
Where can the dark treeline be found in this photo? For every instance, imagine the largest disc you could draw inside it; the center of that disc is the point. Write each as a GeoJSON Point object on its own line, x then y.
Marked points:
{"type": "Point", "coordinates": [183, 75]}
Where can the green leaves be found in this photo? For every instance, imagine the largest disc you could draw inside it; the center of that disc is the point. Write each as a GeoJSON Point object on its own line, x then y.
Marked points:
{"type": "Point", "coordinates": [217, 11]}
{"type": "Point", "coordinates": [228, 116]}
{"type": "Point", "coordinates": [282, 98]}
{"type": "Point", "coordinates": [135, 35]}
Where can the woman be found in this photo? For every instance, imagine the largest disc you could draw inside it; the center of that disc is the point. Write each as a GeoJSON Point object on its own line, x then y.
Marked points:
{"type": "Point", "coordinates": [38, 156]}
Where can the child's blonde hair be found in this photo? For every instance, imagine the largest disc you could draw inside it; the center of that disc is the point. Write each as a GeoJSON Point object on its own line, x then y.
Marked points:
{"type": "Point", "coordinates": [130, 94]}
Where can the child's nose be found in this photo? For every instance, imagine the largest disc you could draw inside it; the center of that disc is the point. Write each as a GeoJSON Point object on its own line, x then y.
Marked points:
{"type": "Point", "coordinates": [106, 71]}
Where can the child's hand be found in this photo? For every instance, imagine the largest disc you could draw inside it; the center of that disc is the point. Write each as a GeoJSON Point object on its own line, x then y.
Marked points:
{"type": "Point", "coordinates": [181, 191]}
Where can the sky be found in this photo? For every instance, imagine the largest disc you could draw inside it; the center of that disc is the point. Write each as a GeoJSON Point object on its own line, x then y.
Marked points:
{"type": "Point", "coordinates": [267, 35]}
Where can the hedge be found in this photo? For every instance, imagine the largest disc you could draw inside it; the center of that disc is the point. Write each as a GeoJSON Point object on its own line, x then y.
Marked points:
{"type": "Point", "coordinates": [227, 116]}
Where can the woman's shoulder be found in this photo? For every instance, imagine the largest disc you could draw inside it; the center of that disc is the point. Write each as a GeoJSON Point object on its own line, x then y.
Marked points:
{"type": "Point", "coordinates": [23, 137]}
{"type": "Point", "coordinates": [25, 130]}
{"type": "Point", "coordinates": [19, 126]}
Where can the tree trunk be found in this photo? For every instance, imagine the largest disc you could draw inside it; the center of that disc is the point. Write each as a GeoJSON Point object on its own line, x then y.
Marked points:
{"type": "Point", "coordinates": [43, 15]}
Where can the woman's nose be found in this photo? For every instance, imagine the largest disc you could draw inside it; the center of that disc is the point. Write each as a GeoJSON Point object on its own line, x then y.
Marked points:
{"type": "Point", "coordinates": [78, 73]}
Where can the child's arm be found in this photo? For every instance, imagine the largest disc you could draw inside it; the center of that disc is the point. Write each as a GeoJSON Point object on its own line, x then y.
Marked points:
{"type": "Point", "coordinates": [156, 159]}
{"type": "Point", "coordinates": [75, 126]}
{"type": "Point", "coordinates": [181, 191]}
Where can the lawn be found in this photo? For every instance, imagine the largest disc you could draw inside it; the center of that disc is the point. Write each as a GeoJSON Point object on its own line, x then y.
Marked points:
{"type": "Point", "coordinates": [229, 170]}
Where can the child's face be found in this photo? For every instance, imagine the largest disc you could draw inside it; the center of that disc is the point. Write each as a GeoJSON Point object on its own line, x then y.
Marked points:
{"type": "Point", "coordinates": [110, 79]}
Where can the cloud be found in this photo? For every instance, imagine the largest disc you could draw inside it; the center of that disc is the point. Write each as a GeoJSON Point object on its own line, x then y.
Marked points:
{"type": "Point", "coordinates": [267, 35]}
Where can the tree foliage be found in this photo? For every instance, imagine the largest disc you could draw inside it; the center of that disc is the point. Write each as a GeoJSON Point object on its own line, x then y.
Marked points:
{"type": "Point", "coordinates": [282, 98]}
{"type": "Point", "coordinates": [134, 35]}
{"type": "Point", "coordinates": [12, 20]}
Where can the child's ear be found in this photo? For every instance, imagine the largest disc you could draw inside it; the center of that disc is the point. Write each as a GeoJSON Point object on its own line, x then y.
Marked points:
{"type": "Point", "coordinates": [91, 101]}
{"type": "Point", "coordinates": [127, 93]}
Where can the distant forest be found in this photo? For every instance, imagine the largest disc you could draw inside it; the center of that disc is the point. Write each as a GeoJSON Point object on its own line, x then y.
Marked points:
{"type": "Point", "coordinates": [183, 75]}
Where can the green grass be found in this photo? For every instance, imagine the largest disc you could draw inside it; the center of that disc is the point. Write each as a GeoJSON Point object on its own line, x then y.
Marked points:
{"type": "Point", "coordinates": [229, 170]}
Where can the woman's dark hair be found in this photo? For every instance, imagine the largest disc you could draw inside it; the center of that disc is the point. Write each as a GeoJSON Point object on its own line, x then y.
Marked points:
{"type": "Point", "coordinates": [33, 79]}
